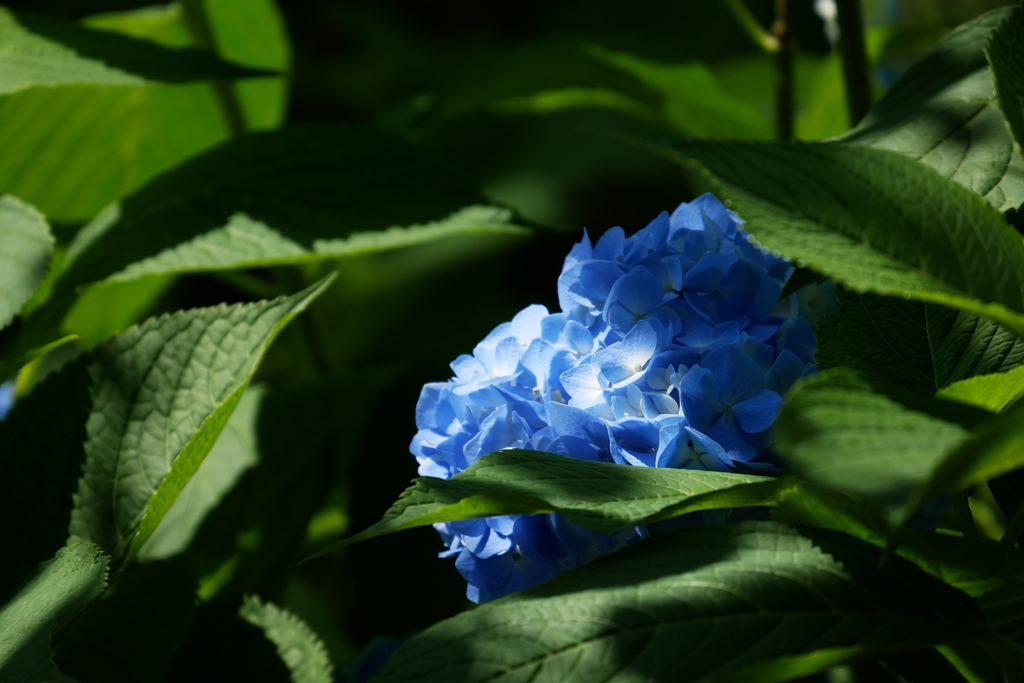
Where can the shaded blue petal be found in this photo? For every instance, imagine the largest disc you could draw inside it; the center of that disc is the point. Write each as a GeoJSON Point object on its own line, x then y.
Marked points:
{"type": "Point", "coordinates": [757, 413]}
{"type": "Point", "coordinates": [737, 374]}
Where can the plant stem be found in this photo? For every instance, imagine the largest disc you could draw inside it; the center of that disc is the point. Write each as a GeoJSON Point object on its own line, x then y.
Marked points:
{"type": "Point", "coordinates": [766, 41]}
{"type": "Point", "coordinates": [855, 59]}
{"type": "Point", "coordinates": [1014, 530]}
{"type": "Point", "coordinates": [963, 514]}
{"type": "Point", "coordinates": [227, 98]}
{"type": "Point", "coordinates": [783, 30]}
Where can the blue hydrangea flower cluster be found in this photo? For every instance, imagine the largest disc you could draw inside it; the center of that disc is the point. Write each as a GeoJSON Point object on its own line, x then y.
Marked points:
{"type": "Point", "coordinates": [672, 349]}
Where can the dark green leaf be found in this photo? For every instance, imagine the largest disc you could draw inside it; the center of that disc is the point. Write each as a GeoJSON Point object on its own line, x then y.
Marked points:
{"type": "Point", "coordinates": [995, 448]}
{"type": "Point", "coordinates": [943, 113]}
{"type": "Point", "coordinates": [602, 497]}
{"type": "Point", "coordinates": [297, 195]}
{"type": "Point", "coordinates": [41, 50]}
{"type": "Point", "coordinates": [840, 430]}
{"type": "Point", "coordinates": [874, 221]}
{"type": "Point", "coordinates": [25, 245]}
{"type": "Point", "coordinates": [919, 346]}
{"type": "Point", "coordinates": [740, 595]}
{"type": "Point", "coordinates": [162, 393]}
{"type": "Point", "coordinates": [1007, 63]}
{"type": "Point", "coordinates": [67, 583]}
{"type": "Point", "coordinates": [300, 649]}
{"type": "Point", "coordinates": [40, 463]}
{"type": "Point", "coordinates": [553, 77]}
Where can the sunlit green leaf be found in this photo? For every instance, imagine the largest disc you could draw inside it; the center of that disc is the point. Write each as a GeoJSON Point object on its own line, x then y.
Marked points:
{"type": "Point", "coordinates": [742, 595]}
{"type": "Point", "coordinates": [231, 456]}
{"type": "Point", "coordinates": [41, 50]}
{"type": "Point", "coordinates": [599, 496]}
{"type": "Point", "coordinates": [71, 150]}
{"type": "Point", "coordinates": [991, 392]}
{"type": "Point", "coordinates": [874, 221]}
{"type": "Point", "coordinates": [943, 113]}
{"type": "Point", "coordinates": [162, 393]}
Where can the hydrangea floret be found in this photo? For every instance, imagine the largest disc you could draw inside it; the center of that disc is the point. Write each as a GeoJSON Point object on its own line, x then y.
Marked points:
{"type": "Point", "coordinates": [671, 349]}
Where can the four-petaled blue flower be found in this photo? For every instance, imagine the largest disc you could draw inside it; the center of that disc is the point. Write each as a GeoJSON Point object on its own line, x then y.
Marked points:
{"type": "Point", "coordinates": [672, 349]}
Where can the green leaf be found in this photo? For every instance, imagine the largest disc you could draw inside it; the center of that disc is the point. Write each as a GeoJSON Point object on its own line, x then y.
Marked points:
{"type": "Point", "coordinates": [874, 221]}
{"type": "Point", "coordinates": [300, 649]}
{"type": "Point", "coordinates": [67, 583]}
{"type": "Point", "coordinates": [918, 346]}
{"type": "Point", "coordinates": [942, 112]}
{"type": "Point", "coordinates": [10, 366]}
{"type": "Point", "coordinates": [602, 497]}
{"type": "Point", "coordinates": [41, 50]}
{"type": "Point", "coordinates": [545, 78]}
{"type": "Point", "coordinates": [162, 393]}
{"type": "Point", "coordinates": [996, 447]}
{"type": "Point", "coordinates": [840, 430]}
{"type": "Point", "coordinates": [40, 463]}
{"type": "Point", "coordinates": [74, 149]}
{"type": "Point", "coordinates": [232, 455]}
{"type": "Point", "coordinates": [740, 595]}
{"type": "Point", "coordinates": [102, 311]}
{"type": "Point", "coordinates": [1007, 64]}
{"type": "Point", "coordinates": [692, 102]}
{"type": "Point", "coordinates": [252, 32]}
{"type": "Point", "coordinates": [302, 194]}
{"type": "Point", "coordinates": [991, 392]}
{"type": "Point", "coordinates": [25, 245]}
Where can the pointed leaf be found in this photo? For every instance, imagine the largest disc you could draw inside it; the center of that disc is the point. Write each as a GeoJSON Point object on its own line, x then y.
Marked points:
{"type": "Point", "coordinates": [991, 392]}
{"type": "Point", "coordinates": [25, 245]}
{"type": "Point", "coordinates": [840, 430]}
{"type": "Point", "coordinates": [918, 346]}
{"type": "Point", "coordinates": [942, 112]}
{"type": "Point", "coordinates": [874, 221]}
{"type": "Point", "coordinates": [599, 496]}
{"type": "Point", "coordinates": [41, 50]}
{"type": "Point", "coordinates": [740, 596]}
{"type": "Point", "coordinates": [71, 150]}
{"type": "Point", "coordinates": [1007, 62]}
{"type": "Point", "coordinates": [40, 462]}
{"type": "Point", "coordinates": [67, 583]}
{"type": "Point", "coordinates": [301, 650]}
{"type": "Point", "coordinates": [301, 194]}
{"type": "Point", "coordinates": [162, 393]}
{"type": "Point", "coordinates": [232, 455]}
